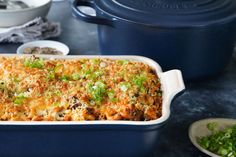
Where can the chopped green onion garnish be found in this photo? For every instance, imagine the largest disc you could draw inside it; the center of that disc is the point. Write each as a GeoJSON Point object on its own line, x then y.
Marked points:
{"type": "Point", "coordinates": [51, 76]}
{"type": "Point", "coordinates": [65, 78]}
{"type": "Point", "coordinates": [124, 86]}
{"type": "Point", "coordinates": [75, 76]}
{"type": "Point", "coordinates": [95, 61]}
{"type": "Point", "coordinates": [111, 96]}
{"type": "Point", "coordinates": [123, 62]}
{"type": "Point", "coordinates": [35, 63]}
{"type": "Point", "coordinates": [58, 67]}
{"type": "Point", "coordinates": [139, 81]}
{"type": "Point", "coordinates": [56, 104]}
{"type": "Point", "coordinates": [58, 93]}
{"type": "Point", "coordinates": [97, 91]}
{"type": "Point", "coordinates": [20, 99]}
{"type": "Point", "coordinates": [98, 73]}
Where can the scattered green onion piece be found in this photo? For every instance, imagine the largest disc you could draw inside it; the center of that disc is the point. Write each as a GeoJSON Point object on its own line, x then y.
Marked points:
{"type": "Point", "coordinates": [36, 63]}
{"type": "Point", "coordinates": [58, 67]}
{"type": "Point", "coordinates": [56, 104]}
{"type": "Point", "coordinates": [75, 76]}
{"type": "Point", "coordinates": [58, 93]}
{"type": "Point", "coordinates": [111, 96]}
{"type": "Point", "coordinates": [64, 78]}
{"type": "Point", "coordinates": [95, 61]}
{"type": "Point", "coordinates": [123, 62]}
{"type": "Point", "coordinates": [97, 91]}
{"type": "Point", "coordinates": [20, 99]}
{"type": "Point", "coordinates": [51, 76]}
{"type": "Point", "coordinates": [139, 81]}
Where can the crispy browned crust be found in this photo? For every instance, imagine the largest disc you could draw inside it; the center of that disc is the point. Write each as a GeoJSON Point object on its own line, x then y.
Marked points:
{"type": "Point", "coordinates": [75, 90]}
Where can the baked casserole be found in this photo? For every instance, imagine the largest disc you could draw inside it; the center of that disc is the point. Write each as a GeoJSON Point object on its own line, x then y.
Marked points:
{"type": "Point", "coordinates": [36, 89]}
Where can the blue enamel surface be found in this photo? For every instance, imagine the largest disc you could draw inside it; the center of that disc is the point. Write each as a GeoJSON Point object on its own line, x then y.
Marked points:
{"type": "Point", "coordinates": [199, 50]}
{"type": "Point", "coordinates": [169, 12]}
{"type": "Point", "coordinates": [78, 140]}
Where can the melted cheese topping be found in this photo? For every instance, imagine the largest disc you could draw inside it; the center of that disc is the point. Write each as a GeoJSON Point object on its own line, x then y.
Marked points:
{"type": "Point", "coordinates": [33, 89]}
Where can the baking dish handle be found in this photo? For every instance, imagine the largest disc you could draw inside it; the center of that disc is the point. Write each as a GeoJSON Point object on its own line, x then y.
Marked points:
{"type": "Point", "coordinates": [86, 17]}
{"type": "Point", "coordinates": [174, 83]}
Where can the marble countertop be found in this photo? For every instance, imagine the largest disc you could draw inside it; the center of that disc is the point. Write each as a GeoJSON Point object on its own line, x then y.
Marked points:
{"type": "Point", "coordinates": [209, 98]}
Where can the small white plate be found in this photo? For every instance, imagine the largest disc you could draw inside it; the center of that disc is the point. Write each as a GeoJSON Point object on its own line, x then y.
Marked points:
{"type": "Point", "coordinates": [45, 43]}
{"type": "Point", "coordinates": [199, 129]}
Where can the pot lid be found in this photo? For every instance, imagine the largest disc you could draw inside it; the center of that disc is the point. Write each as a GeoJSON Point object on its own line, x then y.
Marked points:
{"type": "Point", "coordinates": [170, 13]}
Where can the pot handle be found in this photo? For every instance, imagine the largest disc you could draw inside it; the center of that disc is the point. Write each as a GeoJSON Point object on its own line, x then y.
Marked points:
{"type": "Point", "coordinates": [174, 83]}
{"type": "Point", "coordinates": [88, 18]}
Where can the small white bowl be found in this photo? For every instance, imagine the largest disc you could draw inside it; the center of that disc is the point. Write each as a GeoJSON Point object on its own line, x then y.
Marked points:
{"type": "Point", "coordinates": [199, 129]}
{"type": "Point", "coordinates": [45, 43]}
{"type": "Point", "coordinates": [38, 8]}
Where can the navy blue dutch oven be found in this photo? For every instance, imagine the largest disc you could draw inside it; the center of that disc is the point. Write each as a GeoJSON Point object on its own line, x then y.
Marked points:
{"type": "Point", "coordinates": [196, 36]}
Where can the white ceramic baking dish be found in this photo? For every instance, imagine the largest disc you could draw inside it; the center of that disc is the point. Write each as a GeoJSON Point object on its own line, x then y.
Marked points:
{"type": "Point", "coordinates": [112, 138]}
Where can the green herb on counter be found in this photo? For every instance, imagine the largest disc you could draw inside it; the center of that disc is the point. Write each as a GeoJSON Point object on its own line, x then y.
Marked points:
{"type": "Point", "coordinates": [221, 142]}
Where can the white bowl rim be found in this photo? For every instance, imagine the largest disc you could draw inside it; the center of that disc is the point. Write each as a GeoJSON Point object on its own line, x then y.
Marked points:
{"type": "Point", "coordinates": [26, 9]}
{"type": "Point", "coordinates": [165, 105]}
{"type": "Point", "coordinates": [20, 48]}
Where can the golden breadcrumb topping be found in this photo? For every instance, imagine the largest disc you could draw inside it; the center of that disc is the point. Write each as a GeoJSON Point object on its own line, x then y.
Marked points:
{"type": "Point", "coordinates": [36, 89]}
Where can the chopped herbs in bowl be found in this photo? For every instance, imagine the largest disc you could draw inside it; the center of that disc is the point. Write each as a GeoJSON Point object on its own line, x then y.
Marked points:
{"type": "Point", "coordinates": [221, 142]}
{"type": "Point", "coordinates": [215, 137]}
